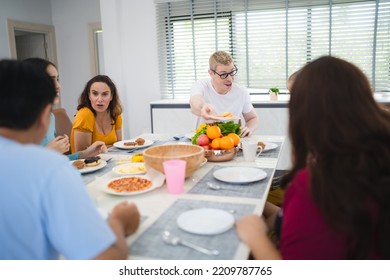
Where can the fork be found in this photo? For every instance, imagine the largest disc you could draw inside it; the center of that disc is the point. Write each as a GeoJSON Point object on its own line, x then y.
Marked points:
{"type": "Point", "coordinates": [174, 240]}
{"type": "Point", "coordinates": [134, 149]}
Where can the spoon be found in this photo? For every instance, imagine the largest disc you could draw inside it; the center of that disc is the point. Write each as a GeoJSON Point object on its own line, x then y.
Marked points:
{"type": "Point", "coordinates": [174, 240]}
{"type": "Point", "coordinates": [218, 187]}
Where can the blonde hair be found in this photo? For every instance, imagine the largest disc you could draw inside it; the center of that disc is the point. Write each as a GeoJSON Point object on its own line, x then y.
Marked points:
{"type": "Point", "coordinates": [218, 58]}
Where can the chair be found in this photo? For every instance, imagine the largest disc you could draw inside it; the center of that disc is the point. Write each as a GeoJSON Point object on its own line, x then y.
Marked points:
{"type": "Point", "coordinates": [63, 123]}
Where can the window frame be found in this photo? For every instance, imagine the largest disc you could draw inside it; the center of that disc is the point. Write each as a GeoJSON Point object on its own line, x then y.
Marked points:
{"type": "Point", "coordinates": [285, 7]}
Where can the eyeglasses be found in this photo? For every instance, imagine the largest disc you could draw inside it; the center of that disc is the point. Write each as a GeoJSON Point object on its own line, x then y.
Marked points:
{"type": "Point", "coordinates": [225, 75]}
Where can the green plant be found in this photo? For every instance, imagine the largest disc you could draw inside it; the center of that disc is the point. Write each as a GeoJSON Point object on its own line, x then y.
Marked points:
{"type": "Point", "coordinates": [274, 89]}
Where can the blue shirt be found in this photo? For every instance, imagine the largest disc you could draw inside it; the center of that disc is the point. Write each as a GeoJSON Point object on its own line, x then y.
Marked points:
{"type": "Point", "coordinates": [51, 134]}
{"type": "Point", "coordinates": [45, 210]}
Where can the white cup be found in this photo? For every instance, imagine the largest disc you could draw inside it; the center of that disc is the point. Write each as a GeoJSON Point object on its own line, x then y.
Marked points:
{"type": "Point", "coordinates": [249, 149]}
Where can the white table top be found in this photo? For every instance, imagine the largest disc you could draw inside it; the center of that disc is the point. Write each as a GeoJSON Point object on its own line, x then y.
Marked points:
{"type": "Point", "coordinates": [152, 205]}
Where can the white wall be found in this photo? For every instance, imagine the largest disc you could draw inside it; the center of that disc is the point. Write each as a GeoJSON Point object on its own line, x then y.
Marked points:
{"type": "Point", "coordinates": [71, 19]}
{"type": "Point", "coordinates": [36, 11]}
{"type": "Point", "coordinates": [130, 49]}
{"type": "Point", "coordinates": [130, 56]}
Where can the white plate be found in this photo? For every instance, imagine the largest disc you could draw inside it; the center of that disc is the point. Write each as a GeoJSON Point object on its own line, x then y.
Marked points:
{"type": "Point", "coordinates": [88, 169]}
{"type": "Point", "coordinates": [120, 144]}
{"type": "Point", "coordinates": [221, 119]}
{"type": "Point", "coordinates": [132, 168]}
{"type": "Point", "coordinates": [269, 146]}
{"type": "Point", "coordinates": [205, 221]}
{"type": "Point", "coordinates": [104, 187]}
{"type": "Point", "coordinates": [240, 175]}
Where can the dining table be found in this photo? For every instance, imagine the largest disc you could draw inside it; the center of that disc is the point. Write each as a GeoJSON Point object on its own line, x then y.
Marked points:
{"type": "Point", "coordinates": [168, 216]}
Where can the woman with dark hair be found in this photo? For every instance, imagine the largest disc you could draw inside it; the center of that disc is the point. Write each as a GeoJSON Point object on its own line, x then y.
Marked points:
{"type": "Point", "coordinates": [336, 204]}
{"type": "Point", "coordinates": [99, 115]}
{"type": "Point", "coordinates": [51, 140]}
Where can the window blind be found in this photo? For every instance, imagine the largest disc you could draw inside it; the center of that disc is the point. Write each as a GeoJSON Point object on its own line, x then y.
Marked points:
{"type": "Point", "coordinates": [269, 39]}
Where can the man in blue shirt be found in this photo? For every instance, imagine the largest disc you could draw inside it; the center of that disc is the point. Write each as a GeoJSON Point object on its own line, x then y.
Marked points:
{"type": "Point", "coordinates": [45, 209]}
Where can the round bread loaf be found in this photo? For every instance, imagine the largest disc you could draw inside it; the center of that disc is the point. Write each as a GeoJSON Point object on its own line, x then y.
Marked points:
{"type": "Point", "coordinates": [79, 164]}
{"type": "Point", "coordinates": [140, 141]}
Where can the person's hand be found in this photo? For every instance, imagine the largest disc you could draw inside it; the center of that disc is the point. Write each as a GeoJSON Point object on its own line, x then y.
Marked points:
{"type": "Point", "coordinates": [250, 228]}
{"type": "Point", "coordinates": [128, 215]}
{"type": "Point", "coordinates": [253, 231]}
{"type": "Point", "coordinates": [245, 131]}
{"type": "Point", "coordinates": [96, 148]}
{"type": "Point", "coordinates": [206, 111]}
{"type": "Point", "coordinates": [60, 144]}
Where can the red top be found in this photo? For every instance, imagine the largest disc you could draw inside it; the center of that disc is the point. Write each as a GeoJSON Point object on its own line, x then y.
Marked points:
{"type": "Point", "coordinates": [305, 233]}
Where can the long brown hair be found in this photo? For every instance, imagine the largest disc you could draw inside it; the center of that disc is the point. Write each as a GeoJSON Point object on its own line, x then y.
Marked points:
{"type": "Point", "coordinates": [342, 135]}
{"type": "Point", "coordinates": [114, 107]}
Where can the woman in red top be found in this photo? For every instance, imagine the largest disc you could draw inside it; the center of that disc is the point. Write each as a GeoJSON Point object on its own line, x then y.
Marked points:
{"type": "Point", "coordinates": [337, 200]}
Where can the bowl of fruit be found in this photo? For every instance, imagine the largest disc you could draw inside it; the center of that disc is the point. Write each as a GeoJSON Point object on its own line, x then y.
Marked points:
{"type": "Point", "coordinates": [219, 139]}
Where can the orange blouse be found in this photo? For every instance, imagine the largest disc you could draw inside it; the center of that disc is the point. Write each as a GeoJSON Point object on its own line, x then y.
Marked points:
{"type": "Point", "coordinates": [85, 121]}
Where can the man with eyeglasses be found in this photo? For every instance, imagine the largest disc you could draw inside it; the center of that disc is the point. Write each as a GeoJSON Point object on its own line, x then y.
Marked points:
{"type": "Point", "coordinates": [220, 94]}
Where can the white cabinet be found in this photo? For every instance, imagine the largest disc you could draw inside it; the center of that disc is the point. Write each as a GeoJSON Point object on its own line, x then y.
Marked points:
{"type": "Point", "coordinates": [172, 120]}
{"type": "Point", "coordinates": [274, 121]}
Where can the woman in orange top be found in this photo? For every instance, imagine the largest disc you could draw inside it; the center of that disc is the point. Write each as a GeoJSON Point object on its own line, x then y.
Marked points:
{"type": "Point", "coordinates": [99, 115]}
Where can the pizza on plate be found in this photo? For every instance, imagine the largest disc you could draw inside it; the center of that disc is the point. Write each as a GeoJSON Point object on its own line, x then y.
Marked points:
{"type": "Point", "coordinates": [130, 184]}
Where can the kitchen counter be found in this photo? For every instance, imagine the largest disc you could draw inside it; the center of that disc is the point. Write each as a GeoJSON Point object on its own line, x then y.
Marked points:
{"type": "Point", "coordinates": [258, 100]}
{"type": "Point", "coordinates": [174, 116]}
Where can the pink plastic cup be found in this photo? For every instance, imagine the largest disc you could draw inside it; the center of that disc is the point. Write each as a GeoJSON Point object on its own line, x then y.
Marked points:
{"type": "Point", "coordinates": [175, 171]}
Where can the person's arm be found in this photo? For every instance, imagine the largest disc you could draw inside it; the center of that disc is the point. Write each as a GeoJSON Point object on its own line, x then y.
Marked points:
{"type": "Point", "coordinates": [124, 220]}
{"type": "Point", "coordinates": [60, 144]}
{"type": "Point", "coordinates": [252, 230]}
{"type": "Point", "coordinates": [82, 140]}
{"type": "Point", "coordinates": [251, 121]}
{"type": "Point", "coordinates": [119, 134]}
{"type": "Point", "coordinates": [96, 148]}
{"type": "Point", "coordinates": [270, 214]}
{"type": "Point", "coordinates": [200, 108]}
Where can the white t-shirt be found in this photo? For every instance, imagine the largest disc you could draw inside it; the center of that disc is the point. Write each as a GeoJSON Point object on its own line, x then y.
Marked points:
{"type": "Point", "coordinates": [236, 101]}
{"type": "Point", "coordinates": [45, 210]}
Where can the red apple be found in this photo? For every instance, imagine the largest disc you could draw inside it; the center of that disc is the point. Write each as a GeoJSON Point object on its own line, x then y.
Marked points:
{"type": "Point", "coordinates": [202, 140]}
{"type": "Point", "coordinates": [207, 147]}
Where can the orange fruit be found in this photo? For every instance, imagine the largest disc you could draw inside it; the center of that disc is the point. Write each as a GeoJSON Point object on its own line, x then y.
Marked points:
{"type": "Point", "coordinates": [216, 143]}
{"type": "Point", "coordinates": [227, 143]}
{"type": "Point", "coordinates": [213, 131]}
{"type": "Point", "coordinates": [235, 137]}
